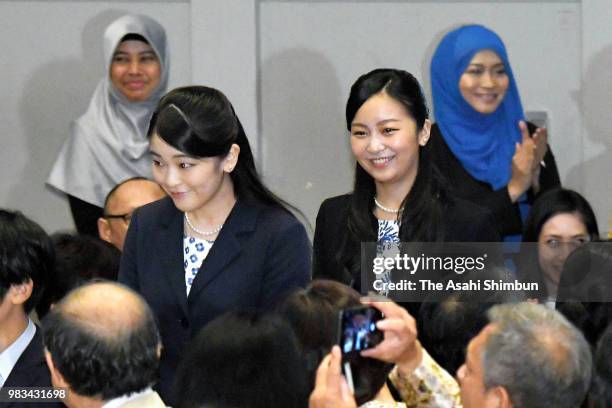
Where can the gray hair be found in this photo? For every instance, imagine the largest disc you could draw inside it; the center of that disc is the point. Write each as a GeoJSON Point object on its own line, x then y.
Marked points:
{"type": "Point", "coordinates": [537, 356]}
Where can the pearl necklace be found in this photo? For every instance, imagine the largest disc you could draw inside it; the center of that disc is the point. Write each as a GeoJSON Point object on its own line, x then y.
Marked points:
{"type": "Point", "coordinates": [385, 209]}
{"type": "Point", "coordinates": [199, 231]}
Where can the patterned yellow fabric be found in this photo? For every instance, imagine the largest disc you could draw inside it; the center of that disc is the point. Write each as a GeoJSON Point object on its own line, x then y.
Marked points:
{"type": "Point", "coordinates": [428, 386]}
{"type": "Point", "coordinates": [383, 404]}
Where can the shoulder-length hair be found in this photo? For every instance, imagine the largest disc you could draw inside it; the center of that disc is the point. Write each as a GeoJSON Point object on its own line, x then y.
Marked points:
{"type": "Point", "coordinates": [549, 204]}
{"type": "Point", "coordinates": [559, 201]}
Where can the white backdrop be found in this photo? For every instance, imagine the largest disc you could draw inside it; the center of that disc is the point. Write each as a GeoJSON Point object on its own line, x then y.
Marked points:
{"type": "Point", "coordinates": [51, 62]}
{"type": "Point", "coordinates": [308, 70]}
{"type": "Point", "coordinates": [287, 66]}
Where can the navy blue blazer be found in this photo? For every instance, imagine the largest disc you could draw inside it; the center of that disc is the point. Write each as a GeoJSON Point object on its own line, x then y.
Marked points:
{"type": "Point", "coordinates": [259, 256]}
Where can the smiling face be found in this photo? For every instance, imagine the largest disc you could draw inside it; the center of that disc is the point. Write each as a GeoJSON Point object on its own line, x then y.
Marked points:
{"type": "Point", "coordinates": [484, 83]}
{"type": "Point", "coordinates": [560, 235]}
{"type": "Point", "coordinates": [192, 182]}
{"type": "Point", "coordinates": [135, 70]}
{"type": "Point", "coordinates": [385, 140]}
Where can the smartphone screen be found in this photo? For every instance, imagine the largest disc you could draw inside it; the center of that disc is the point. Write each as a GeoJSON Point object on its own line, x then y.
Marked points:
{"type": "Point", "coordinates": [357, 330]}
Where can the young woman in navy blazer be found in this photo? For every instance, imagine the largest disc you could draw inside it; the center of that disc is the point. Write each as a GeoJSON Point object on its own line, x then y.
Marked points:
{"type": "Point", "coordinates": [220, 240]}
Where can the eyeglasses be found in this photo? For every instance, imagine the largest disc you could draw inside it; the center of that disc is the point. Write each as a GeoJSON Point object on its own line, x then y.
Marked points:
{"type": "Point", "coordinates": [126, 217]}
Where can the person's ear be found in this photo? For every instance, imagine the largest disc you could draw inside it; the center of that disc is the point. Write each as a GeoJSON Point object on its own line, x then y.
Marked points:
{"type": "Point", "coordinates": [498, 397]}
{"type": "Point", "coordinates": [104, 230]}
{"type": "Point", "coordinates": [21, 292]}
{"type": "Point", "coordinates": [425, 133]}
{"type": "Point", "coordinates": [230, 161]}
{"type": "Point", "coordinates": [57, 379]}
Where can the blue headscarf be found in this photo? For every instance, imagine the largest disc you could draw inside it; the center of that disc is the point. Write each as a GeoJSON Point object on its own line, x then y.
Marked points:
{"type": "Point", "coordinates": [483, 143]}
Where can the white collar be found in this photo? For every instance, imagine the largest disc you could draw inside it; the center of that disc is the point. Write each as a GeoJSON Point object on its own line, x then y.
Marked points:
{"type": "Point", "coordinates": [9, 357]}
{"type": "Point", "coordinates": [119, 401]}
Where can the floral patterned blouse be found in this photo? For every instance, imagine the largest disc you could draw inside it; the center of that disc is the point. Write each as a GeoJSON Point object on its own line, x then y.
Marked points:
{"type": "Point", "coordinates": [428, 386]}
{"type": "Point", "coordinates": [388, 238]}
{"type": "Point", "coordinates": [194, 252]}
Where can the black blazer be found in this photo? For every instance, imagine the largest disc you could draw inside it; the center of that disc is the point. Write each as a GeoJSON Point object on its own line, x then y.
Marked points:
{"type": "Point", "coordinates": [464, 222]}
{"type": "Point", "coordinates": [31, 371]}
{"type": "Point", "coordinates": [260, 255]}
{"type": "Point", "coordinates": [507, 215]}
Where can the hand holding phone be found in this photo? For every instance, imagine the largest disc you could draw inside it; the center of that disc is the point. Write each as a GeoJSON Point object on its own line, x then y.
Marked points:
{"type": "Point", "coordinates": [400, 345]}
{"type": "Point", "coordinates": [357, 332]}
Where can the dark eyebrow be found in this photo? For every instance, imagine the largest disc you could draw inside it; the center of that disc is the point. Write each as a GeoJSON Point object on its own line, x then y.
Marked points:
{"type": "Point", "coordinates": [383, 122]}
{"type": "Point", "coordinates": [184, 156]}
{"type": "Point", "coordinates": [479, 64]}
{"type": "Point", "coordinates": [176, 156]}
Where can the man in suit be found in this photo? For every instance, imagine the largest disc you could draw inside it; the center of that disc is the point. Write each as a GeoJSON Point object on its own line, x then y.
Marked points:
{"type": "Point", "coordinates": [102, 346]}
{"type": "Point", "coordinates": [120, 202]}
{"type": "Point", "coordinates": [26, 259]}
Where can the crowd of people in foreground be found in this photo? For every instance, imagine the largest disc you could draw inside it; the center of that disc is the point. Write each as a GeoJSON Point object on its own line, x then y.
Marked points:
{"type": "Point", "coordinates": [203, 289]}
{"type": "Point", "coordinates": [101, 344]}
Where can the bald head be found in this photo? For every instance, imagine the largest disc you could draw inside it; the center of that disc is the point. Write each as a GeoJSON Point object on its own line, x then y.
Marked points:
{"type": "Point", "coordinates": [120, 202]}
{"type": "Point", "coordinates": [102, 341]}
{"type": "Point", "coordinates": [106, 310]}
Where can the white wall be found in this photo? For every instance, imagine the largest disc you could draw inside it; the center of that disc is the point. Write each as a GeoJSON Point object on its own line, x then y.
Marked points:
{"type": "Point", "coordinates": [308, 70]}
{"type": "Point", "coordinates": [308, 52]}
{"type": "Point", "coordinates": [287, 66]}
{"type": "Point", "coordinates": [51, 62]}
{"type": "Point", "coordinates": [593, 174]}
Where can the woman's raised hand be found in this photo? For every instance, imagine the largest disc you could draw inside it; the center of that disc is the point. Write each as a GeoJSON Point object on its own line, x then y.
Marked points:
{"type": "Point", "coordinates": [524, 163]}
{"type": "Point", "coordinates": [540, 138]}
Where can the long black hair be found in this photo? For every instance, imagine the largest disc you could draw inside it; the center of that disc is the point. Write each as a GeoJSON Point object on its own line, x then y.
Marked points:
{"type": "Point", "coordinates": [201, 122]}
{"type": "Point", "coordinates": [421, 219]}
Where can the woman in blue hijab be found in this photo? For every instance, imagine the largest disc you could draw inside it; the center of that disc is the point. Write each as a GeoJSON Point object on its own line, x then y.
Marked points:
{"type": "Point", "coordinates": [481, 142]}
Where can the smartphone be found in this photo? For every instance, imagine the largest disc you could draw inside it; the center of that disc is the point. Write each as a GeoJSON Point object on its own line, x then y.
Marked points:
{"type": "Point", "coordinates": [357, 330]}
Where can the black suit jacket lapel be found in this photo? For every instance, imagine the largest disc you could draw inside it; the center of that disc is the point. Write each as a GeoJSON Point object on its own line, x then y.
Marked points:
{"type": "Point", "coordinates": [31, 358]}
{"type": "Point", "coordinates": [170, 248]}
{"type": "Point", "coordinates": [227, 246]}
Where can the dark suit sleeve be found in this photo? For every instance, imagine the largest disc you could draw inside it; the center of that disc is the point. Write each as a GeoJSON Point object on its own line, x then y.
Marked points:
{"type": "Point", "coordinates": [288, 263]}
{"type": "Point", "coordinates": [468, 222]}
{"type": "Point", "coordinates": [319, 246]}
{"type": "Point", "coordinates": [549, 174]}
{"type": "Point", "coordinates": [506, 213]}
{"type": "Point", "coordinates": [486, 230]}
{"type": "Point", "coordinates": [128, 270]}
